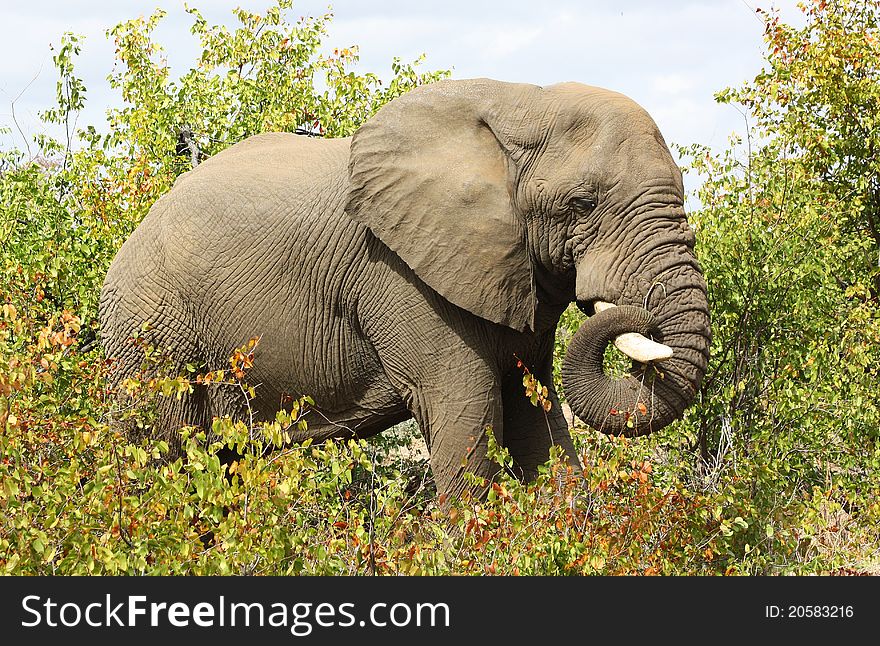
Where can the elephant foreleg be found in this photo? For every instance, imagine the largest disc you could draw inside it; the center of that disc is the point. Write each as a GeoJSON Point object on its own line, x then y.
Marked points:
{"type": "Point", "coordinates": [530, 431]}
{"type": "Point", "coordinates": [457, 433]}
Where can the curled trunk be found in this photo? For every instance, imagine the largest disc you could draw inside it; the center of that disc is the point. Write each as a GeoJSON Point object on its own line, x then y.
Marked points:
{"type": "Point", "coordinates": [653, 394]}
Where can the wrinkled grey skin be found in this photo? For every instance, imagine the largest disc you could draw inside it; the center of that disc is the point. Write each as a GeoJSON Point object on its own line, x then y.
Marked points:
{"type": "Point", "coordinates": [398, 273]}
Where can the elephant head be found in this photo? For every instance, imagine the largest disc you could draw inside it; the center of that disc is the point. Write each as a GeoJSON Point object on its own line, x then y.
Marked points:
{"type": "Point", "coordinates": [511, 199]}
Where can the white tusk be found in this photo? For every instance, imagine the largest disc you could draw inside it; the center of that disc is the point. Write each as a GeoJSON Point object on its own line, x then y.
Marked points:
{"type": "Point", "coordinates": [635, 345]}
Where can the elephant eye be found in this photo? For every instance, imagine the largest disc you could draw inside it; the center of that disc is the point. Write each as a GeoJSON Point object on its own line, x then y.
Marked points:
{"type": "Point", "coordinates": [582, 204]}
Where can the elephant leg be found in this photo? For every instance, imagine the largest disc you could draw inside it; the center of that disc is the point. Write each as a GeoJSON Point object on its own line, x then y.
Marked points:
{"type": "Point", "coordinates": [442, 362]}
{"type": "Point", "coordinates": [454, 395]}
{"type": "Point", "coordinates": [135, 306]}
{"type": "Point", "coordinates": [530, 431]}
{"type": "Point", "coordinates": [455, 406]}
{"type": "Point", "coordinates": [190, 409]}
{"type": "Point", "coordinates": [456, 430]}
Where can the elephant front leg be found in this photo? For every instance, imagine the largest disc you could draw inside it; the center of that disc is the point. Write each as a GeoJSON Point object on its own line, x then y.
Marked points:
{"type": "Point", "coordinates": [530, 431]}
{"type": "Point", "coordinates": [456, 429]}
{"type": "Point", "coordinates": [441, 361]}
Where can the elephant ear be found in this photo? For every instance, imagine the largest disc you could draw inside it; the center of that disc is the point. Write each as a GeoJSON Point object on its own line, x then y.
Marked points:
{"type": "Point", "coordinates": [431, 175]}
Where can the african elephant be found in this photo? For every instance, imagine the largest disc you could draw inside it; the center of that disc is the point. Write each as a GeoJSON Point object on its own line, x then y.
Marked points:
{"type": "Point", "coordinates": [403, 272]}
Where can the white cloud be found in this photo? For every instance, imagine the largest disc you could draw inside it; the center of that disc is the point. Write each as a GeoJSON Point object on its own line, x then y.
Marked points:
{"type": "Point", "coordinates": [672, 83]}
{"type": "Point", "coordinates": [498, 43]}
{"type": "Point", "coordinates": [670, 57]}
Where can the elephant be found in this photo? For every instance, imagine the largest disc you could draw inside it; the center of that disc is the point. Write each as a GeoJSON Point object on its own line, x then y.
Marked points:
{"type": "Point", "coordinates": [405, 271]}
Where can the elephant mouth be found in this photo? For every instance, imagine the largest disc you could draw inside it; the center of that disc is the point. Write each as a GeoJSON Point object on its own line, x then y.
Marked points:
{"type": "Point", "coordinates": [664, 376]}
{"type": "Point", "coordinates": [636, 346]}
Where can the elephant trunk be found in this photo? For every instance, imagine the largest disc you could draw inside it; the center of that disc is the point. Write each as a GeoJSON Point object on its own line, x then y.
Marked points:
{"type": "Point", "coordinates": [654, 393]}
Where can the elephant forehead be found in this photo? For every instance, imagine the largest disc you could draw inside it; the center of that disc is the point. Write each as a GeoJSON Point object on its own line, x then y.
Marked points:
{"type": "Point", "coordinates": [580, 107]}
{"type": "Point", "coordinates": [622, 157]}
{"type": "Point", "coordinates": [606, 136]}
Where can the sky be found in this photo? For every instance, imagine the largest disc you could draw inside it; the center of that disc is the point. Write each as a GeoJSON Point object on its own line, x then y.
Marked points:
{"type": "Point", "coordinates": [671, 56]}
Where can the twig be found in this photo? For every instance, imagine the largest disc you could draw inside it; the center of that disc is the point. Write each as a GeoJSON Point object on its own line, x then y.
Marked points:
{"type": "Point", "coordinates": [15, 120]}
{"type": "Point", "coordinates": [122, 531]}
{"type": "Point", "coordinates": [373, 513]}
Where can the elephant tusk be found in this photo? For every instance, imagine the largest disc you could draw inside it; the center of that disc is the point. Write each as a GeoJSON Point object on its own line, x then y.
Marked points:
{"type": "Point", "coordinates": [637, 346]}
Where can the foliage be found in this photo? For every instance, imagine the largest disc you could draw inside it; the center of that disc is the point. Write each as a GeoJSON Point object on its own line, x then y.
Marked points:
{"type": "Point", "coordinates": [774, 470]}
{"type": "Point", "coordinates": [787, 239]}
{"type": "Point", "coordinates": [820, 96]}
{"type": "Point", "coordinates": [80, 499]}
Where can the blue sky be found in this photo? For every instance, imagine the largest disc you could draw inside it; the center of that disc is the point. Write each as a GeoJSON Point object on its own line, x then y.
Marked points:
{"type": "Point", "coordinates": [670, 56]}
